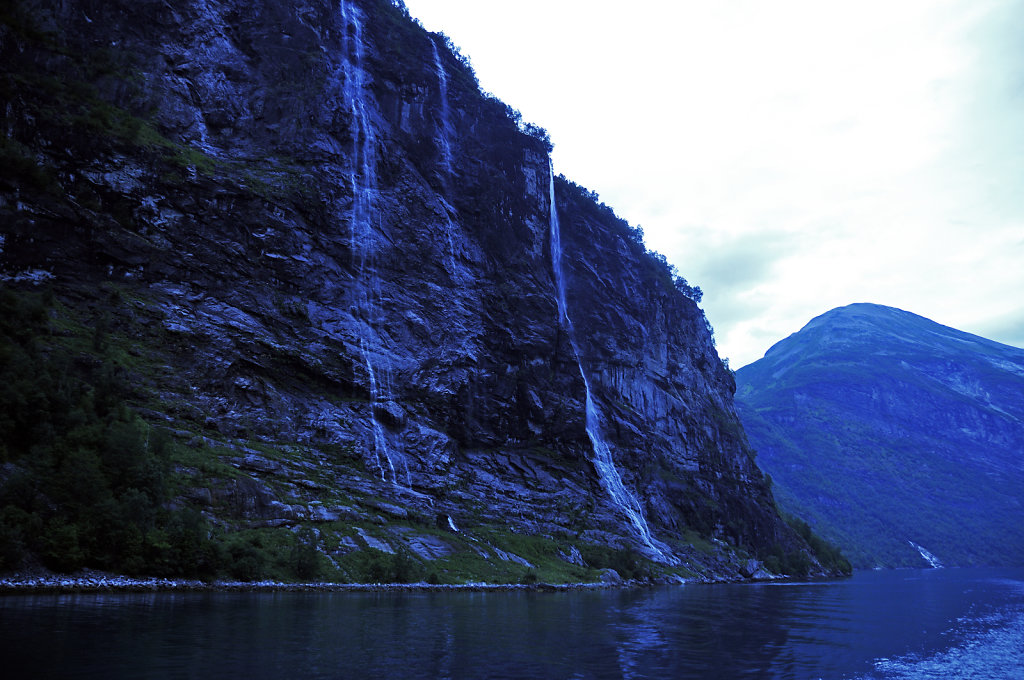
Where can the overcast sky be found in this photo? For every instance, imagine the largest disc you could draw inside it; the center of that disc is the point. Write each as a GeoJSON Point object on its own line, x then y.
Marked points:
{"type": "Point", "coordinates": [788, 156]}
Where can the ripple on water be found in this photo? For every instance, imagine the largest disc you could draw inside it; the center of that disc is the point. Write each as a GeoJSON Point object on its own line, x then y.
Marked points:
{"type": "Point", "coordinates": [991, 648]}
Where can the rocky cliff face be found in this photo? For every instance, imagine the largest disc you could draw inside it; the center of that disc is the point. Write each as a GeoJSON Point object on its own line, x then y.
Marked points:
{"type": "Point", "coordinates": [896, 436]}
{"type": "Point", "coordinates": [328, 259]}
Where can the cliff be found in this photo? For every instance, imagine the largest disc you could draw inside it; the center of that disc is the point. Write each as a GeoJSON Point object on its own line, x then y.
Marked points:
{"type": "Point", "coordinates": [301, 248]}
{"type": "Point", "coordinates": [898, 438]}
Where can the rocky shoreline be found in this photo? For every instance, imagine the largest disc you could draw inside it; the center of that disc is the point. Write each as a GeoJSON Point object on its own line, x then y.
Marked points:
{"type": "Point", "coordinates": [104, 583]}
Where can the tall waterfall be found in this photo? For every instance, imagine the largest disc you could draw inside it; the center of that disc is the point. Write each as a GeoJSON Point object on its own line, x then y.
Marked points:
{"type": "Point", "coordinates": [444, 142]}
{"type": "Point", "coordinates": [364, 243]}
{"type": "Point", "coordinates": [363, 171]}
{"type": "Point", "coordinates": [443, 139]}
{"type": "Point", "coordinates": [603, 461]}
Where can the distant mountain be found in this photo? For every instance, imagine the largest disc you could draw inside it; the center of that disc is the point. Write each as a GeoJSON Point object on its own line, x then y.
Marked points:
{"type": "Point", "coordinates": [900, 439]}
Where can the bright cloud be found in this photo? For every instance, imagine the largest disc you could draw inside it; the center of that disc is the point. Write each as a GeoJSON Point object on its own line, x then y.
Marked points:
{"type": "Point", "coordinates": [788, 157]}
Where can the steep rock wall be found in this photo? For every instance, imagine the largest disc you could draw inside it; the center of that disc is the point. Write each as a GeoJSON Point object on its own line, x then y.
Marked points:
{"type": "Point", "coordinates": [319, 234]}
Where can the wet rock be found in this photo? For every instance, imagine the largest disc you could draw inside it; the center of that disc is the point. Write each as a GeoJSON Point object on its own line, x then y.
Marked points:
{"type": "Point", "coordinates": [346, 544]}
{"type": "Point", "coordinates": [318, 513]}
{"type": "Point", "coordinates": [390, 509]}
{"type": "Point", "coordinates": [428, 547]}
{"type": "Point", "coordinates": [258, 463]}
{"type": "Point", "coordinates": [749, 568]}
{"type": "Point", "coordinates": [510, 557]}
{"type": "Point", "coordinates": [374, 543]}
{"type": "Point", "coordinates": [573, 556]}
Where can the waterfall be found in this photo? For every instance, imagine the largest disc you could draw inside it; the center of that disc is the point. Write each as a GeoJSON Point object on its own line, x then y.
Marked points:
{"type": "Point", "coordinates": [443, 140]}
{"type": "Point", "coordinates": [445, 145]}
{"type": "Point", "coordinates": [363, 171]}
{"type": "Point", "coordinates": [931, 559]}
{"type": "Point", "coordinates": [363, 179]}
{"type": "Point", "coordinates": [603, 461]}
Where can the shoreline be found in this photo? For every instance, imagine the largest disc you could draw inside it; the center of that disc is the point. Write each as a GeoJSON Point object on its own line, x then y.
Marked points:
{"type": "Point", "coordinates": [108, 583]}
{"type": "Point", "coordinates": [100, 582]}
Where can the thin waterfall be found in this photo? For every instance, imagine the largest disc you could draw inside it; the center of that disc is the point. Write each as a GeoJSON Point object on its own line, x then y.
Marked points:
{"type": "Point", "coordinates": [379, 436]}
{"type": "Point", "coordinates": [367, 307]}
{"type": "Point", "coordinates": [362, 173]}
{"type": "Point", "coordinates": [443, 139]}
{"type": "Point", "coordinates": [603, 461]}
{"type": "Point", "coordinates": [445, 145]}
{"type": "Point", "coordinates": [931, 559]}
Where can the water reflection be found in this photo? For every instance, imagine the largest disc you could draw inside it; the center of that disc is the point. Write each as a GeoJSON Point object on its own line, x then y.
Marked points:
{"type": "Point", "coordinates": [827, 630]}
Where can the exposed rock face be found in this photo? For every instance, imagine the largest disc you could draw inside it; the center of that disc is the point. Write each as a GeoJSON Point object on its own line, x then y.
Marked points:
{"type": "Point", "coordinates": [889, 431]}
{"type": "Point", "coordinates": [326, 241]}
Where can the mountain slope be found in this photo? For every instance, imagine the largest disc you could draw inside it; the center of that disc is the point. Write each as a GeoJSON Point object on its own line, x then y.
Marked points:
{"type": "Point", "coordinates": [883, 428]}
{"type": "Point", "coordinates": [296, 243]}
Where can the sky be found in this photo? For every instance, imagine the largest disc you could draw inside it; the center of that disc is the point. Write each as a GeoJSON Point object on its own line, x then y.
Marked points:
{"type": "Point", "coordinates": [789, 157]}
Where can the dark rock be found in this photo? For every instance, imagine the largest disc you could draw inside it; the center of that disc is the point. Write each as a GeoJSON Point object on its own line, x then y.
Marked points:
{"type": "Point", "coordinates": [573, 556]}
{"type": "Point", "coordinates": [426, 546]}
{"type": "Point", "coordinates": [749, 568]}
{"type": "Point", "coordinates": [258, 463]}
{"type": "Point", "coordinates": [390, 509]}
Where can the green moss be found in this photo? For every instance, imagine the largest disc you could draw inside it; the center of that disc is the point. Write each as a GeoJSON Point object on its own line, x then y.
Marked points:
{"type": "Point", "coordinates": [375, 566]}
{"type": "Point", "coordinates": [698, 541]}
{"type": "Point", "coordinates": [541, 551]}
{"type": "Point", "coordinates": [205, 462]}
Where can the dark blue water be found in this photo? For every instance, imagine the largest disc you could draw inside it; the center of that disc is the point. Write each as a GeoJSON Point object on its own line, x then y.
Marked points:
{"type": "Point", "coordinates": [878, 625]}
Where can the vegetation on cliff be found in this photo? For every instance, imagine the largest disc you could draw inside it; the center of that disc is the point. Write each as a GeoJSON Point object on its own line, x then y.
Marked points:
{"type": "Point", "coordinates": [87, 482]}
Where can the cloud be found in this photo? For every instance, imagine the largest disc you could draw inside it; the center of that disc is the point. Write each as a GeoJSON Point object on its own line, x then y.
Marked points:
{"type": "Point", "coordinates": [741, 267]}
{"type": "Point", "coordinates": [1007, 329]}
{"type": "Point", "coordinates": [830, 152]}
{"type": "Point", "coordinates": [730, 263]}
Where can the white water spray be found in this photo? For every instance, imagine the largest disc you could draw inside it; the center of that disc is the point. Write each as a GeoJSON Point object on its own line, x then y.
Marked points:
{"type": "Point", "coordinates": [931, 559]}
{"type": "Point", "coordinates": [363, 179]}
{"type": "Point", "coordinates": [603, 461]}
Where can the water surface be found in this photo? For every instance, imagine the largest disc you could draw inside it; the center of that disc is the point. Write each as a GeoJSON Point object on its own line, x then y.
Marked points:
{"type": "Point", "coordinates": [875, 626]}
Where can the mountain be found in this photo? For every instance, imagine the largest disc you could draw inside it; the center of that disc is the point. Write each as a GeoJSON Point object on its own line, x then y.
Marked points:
{"type": "Point", "coordinates": [894, 436]}
{"type": "Point", "coordinates": [285, 294]}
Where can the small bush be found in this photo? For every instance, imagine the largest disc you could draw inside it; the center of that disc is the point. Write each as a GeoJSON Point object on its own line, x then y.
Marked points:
{"type": "Point", "coordinates": [627, 563]}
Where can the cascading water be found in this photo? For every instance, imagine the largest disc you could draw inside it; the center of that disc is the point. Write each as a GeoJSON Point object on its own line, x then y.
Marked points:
{"type": "Point", "coordinates": [443, 139]}
{"type": "Point", "coordinates": [362, 173]}
{"type": "Point", "coordinates": [603, 462]}
{"type": "Point", "coordinates": [931, 559]}
{"type": "Point", "coordinates": [363, 178]}
{"type": "Point", "coordinates": [446, 147]}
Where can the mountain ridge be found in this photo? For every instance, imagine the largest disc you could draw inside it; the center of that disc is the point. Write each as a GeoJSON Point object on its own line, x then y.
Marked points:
{"type": "Point", "coordinates": [865, 311]}
{"type": "Point", "coordinates": [871, 416]}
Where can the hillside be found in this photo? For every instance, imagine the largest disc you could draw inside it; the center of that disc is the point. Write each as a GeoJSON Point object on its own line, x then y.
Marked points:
{"type": "Point", "coordinates": [884, 429]}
